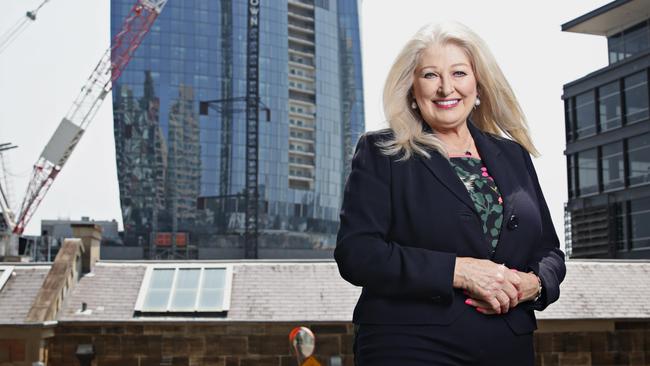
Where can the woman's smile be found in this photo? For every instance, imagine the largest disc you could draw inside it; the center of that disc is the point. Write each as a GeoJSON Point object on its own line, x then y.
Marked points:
{"type": "Point", "coordinates": [446, 103]}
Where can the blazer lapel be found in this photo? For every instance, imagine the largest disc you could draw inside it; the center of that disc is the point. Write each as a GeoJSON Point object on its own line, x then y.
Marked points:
{"type": "Point", "coordinates": [443, 171]}
{"type": "Point", "coordinates": [501, 171]}
{"type": "Point", "coordinates": [498, 169]}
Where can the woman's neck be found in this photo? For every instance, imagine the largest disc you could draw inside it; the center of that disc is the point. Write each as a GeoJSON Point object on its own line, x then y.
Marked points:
{"type": "Point", "coordinates": [456, 137]}
{"type": "Point", "coordinates": [458, 140]}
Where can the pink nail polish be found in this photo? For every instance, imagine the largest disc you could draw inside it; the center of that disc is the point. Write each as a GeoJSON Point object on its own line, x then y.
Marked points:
{"type": "Point", "coordinates": [480, 310]}
{"type": "Point", "coordinates": [468, 302]}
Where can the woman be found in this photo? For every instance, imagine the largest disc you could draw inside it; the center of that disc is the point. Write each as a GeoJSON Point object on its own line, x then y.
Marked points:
{"type": "Point", "coordinates": [443, 221]}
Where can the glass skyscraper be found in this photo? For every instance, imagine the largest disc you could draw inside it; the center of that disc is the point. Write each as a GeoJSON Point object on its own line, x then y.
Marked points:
{"type": "Point", "coordinates": [182, 173]}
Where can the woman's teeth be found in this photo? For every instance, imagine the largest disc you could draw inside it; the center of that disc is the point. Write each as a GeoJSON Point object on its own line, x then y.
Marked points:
{"type": "Point", "coordinates": [446, 102]}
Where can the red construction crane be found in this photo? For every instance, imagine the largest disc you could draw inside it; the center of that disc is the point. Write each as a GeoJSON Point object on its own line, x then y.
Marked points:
{"type": "Point", "coordinates": [97, 87]}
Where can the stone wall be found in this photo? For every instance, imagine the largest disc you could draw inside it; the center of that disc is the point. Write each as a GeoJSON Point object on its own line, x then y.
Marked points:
{"type": "Point", "coordinates": [234, 344]}
{"type": "Point", "coordinates": [628, 343]}
{"type": "Point", "coordinates": [21, 346]}
{"type": "Point", "coordinates": [12, 351]}
{"type": "Point", "coordinates": [266, 344]}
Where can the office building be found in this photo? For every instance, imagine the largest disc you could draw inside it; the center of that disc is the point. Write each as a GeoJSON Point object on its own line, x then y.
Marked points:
{"type": "Point", "coordinates": [182, 172]}
{"type": "Point", "coordinates": [608, 138]}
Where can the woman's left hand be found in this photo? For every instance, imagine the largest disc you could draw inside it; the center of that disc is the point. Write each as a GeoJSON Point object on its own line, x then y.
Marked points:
{"type": "Point", "coordinates": [527, 289]}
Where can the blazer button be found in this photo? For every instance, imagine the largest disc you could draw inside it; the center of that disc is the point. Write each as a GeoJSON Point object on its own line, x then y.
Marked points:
{"type": "Point", "coordinates": [513, 222]}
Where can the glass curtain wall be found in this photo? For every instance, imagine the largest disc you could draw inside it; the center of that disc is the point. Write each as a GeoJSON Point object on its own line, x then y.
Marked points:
{"type": "Point", "coordinates": [182, 174]}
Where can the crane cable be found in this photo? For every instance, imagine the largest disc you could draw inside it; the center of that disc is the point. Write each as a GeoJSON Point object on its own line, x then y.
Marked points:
{"type": "Point", "coordinates": [12, 33]}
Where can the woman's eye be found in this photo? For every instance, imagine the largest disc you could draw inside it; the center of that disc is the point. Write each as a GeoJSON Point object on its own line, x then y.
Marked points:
{"type": "Point", "coordinates": [429, 75]}
{"type": "Point", "coordinates": [461, 73]}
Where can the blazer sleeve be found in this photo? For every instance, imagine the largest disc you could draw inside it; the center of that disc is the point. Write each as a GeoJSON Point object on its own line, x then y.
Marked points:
{"type": "Point", "coordinates": [365, 255]}
{"type": "Point", "coordinates": [547, 260]}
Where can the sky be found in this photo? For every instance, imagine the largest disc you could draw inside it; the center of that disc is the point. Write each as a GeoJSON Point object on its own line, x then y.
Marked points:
{"type": "Point", "coordinates": [42, 72]}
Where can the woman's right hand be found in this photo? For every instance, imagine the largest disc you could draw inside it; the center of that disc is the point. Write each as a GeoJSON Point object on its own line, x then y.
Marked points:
{"type": "Point", "coordinates": [490, 283]}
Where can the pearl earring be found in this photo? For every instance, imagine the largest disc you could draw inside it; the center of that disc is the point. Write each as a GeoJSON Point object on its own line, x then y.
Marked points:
{"type": "Point", "coordinates": [414, 105]}
{"type": "Point", "coordinates": [477, 102]}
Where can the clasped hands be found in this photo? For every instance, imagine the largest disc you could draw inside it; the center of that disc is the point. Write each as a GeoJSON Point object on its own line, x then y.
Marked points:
{"type": "Point", "coordinates": [493, 288]}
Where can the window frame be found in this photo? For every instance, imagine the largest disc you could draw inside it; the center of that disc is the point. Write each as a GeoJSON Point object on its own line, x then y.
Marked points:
{"type": "Point", "coordinates": [624, 96]}
{"type": "Point", "coordinates": [628, 162]}
{"type": "Point", "coordinates": [594, 126]}
{"type": "Point", "coordinates": [598, 186]}
{"type": "Point", "coordinates": [570, 119]}
{"type": "Point", "coordinates": [146, 280]}
{"type": "Point", "coordinates": [631, 237]}
{"type": "Point", "coordinates": [603, 125]}
{"type": "Point", "coordinates": [601, 170]}
{"type": "Point", "coordinates": [7, 271]}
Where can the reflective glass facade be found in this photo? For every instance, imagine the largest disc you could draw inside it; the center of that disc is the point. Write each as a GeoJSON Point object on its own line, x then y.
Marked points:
{"type": "Point", "coordinates": [608, 152]}
{"type": "Point", "coordinates": [182, 173]}
{"type": "Point", "coordinates": [629, 43]}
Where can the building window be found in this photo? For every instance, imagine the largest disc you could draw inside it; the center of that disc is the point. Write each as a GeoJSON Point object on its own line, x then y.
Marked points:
{"type": "Point", "coordinates": [609, 106]}
{"type": "Point", "coordinates": [613, 166]}
{"type": "Point", "coordinates": [585, 115]}
{"type": "Point", "coordinates": [5, 272]}
{"type": "Point", "coordinates": [636, 97]}
{"type": "Point", "coordinates": [569, 120]}
{"type": "Point", "coordinates": [638, 155]}
{"type": "Point", "coordinates": [639, 219]}
{"type": "Point", "coordinates": [615, 47]}
{"type": "Point", "coordinates": [636, 39]}
{"type": "Point", "coordinates": [628, 43]}
{"type": "Point", "coordinates": [588, 171]}
{"type": "Point", "coordinates": [325, 4]}
{"type": "Point", "coordinates": [182, 289]}
{"type": "Point", "coordinates": [571, 175]}
{"type": "Point", "coordinates": [621, 225]}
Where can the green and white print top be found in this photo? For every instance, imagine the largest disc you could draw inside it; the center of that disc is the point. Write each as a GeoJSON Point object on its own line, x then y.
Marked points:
{"type": "Point", "coordinates": [484, 192]}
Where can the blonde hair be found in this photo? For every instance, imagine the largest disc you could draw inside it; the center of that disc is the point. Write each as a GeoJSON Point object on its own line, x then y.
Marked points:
{"type": "Point", "coordinates": [499, 112]}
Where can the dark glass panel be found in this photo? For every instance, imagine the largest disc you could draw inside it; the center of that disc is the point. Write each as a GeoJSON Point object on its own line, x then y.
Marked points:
{"type": "Point", "coordinates": [639, 219]}
{"type": "Point", "coordinates": [636, 97]}
{"type": "Point", "coordinates": [609, 106]}
{"type": "Point", "coordinates": [571, 175]}
{"type": "Point", "coordinates": [588, 171]}
{"type": "Point", "coordinates": [613, 165]}
{"type": "Point", "coordinates": [638, 154]}
{"type": "Point", "coordinates": [585, 115]}
{"type": "Point", "coordinates": [621, 226]}
{"type": "Point", "coordinates": [569, 122]}
{"type": "Point", "coordinates": [615, 47]}
{"type": "Point", "coordinates": [636, 39]}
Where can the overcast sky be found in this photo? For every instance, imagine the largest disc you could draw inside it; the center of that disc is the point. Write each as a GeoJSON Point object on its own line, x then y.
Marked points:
{"type": "Point", "coordinates": [42, 72]}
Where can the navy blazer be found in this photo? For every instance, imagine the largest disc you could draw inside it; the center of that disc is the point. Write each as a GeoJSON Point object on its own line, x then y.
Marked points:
{"type": "Point", "coordinates": [404, 223]}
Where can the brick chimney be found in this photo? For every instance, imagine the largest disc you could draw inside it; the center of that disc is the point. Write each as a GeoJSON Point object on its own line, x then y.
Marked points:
{"type": "Point", "coordinates": [91, 236]}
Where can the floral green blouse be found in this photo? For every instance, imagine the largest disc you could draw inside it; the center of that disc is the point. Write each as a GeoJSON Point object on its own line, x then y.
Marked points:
{"type": "Point", "coordinates": [484, 192]}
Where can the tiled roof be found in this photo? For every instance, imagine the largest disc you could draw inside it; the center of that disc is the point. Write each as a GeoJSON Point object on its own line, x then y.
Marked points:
{"type": "Point", "coordinates": [110, 292]}
{"type": "Point", "coordinates": [292, 292]}
{"type": "Point", "coordinates": [261, 291]}
{"type": "Point", "coordinates": [603, 289]}
{"type": "Point", "coordinates": [313, 290]}
{"type": "Point", "coordinates": [19, 292]}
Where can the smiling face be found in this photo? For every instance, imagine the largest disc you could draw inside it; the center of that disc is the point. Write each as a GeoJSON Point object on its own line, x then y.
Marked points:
{"type": "Point", "coordinates": [444, 86]}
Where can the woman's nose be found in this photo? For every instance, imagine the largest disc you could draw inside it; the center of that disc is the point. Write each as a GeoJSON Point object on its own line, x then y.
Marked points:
{"type": "Point", "coordinates": [446, 87]}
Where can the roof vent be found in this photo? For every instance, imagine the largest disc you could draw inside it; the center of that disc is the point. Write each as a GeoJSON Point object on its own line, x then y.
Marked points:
{"type": "Point", "coordinates": [84, 309]}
